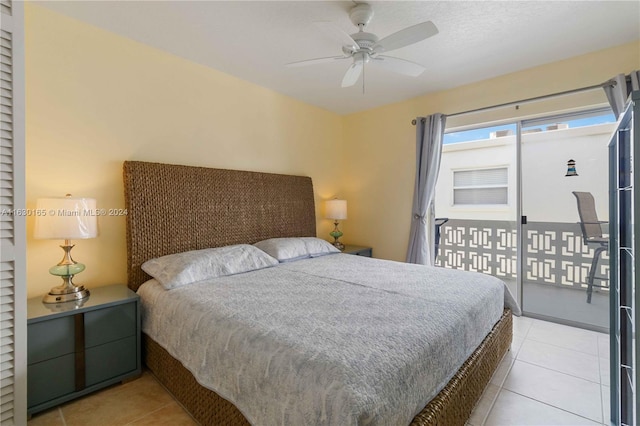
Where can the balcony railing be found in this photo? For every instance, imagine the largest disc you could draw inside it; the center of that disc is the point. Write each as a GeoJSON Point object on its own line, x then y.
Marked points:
{"type": "Point", "coordinates": [554, 253]}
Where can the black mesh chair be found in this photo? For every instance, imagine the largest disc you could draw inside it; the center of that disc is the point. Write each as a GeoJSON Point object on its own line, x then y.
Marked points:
{"type": "Point", "coordinates": [591, 235]}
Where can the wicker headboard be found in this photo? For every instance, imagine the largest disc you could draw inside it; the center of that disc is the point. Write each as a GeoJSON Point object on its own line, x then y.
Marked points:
{"type": "Point", "coordinates": [174, 208]}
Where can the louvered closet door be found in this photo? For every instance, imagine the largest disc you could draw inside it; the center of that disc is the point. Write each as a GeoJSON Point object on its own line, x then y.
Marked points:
{"type": "Point", "coordinates": [13, 328]}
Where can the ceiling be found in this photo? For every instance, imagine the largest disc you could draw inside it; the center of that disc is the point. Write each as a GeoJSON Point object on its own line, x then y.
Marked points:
{"type": "Point", "coordinates": [254, 40]}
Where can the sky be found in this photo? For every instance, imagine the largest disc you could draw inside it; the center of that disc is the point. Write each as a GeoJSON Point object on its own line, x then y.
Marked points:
{"type": "Point", "coordinates": [478, 134]}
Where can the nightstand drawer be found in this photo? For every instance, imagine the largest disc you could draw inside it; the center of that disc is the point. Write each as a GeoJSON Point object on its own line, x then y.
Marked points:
{"type": "Point", "coordinates": [358, 250]}
{"type": "Point", "coordinates": [50, 339]}
{"type": "Point", "coordinates": [110, 360]}
{"type": "Point", "coordinates": [50, 379]}
{"type": "Point", "coordinates": [109, 324]}
{"type": "Point", "coordinates": [363, 252]}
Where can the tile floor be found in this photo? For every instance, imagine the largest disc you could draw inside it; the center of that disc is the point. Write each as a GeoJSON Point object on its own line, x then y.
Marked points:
{"type": "Point", "coordinates": [553, 375]}
{"type": "Point", "coordinates": [139, 402]}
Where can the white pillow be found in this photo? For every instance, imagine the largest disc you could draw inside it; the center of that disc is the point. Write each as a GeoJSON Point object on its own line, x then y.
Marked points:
{"type": "Point", "coordinates": [177, 270]}
{"type": "Point", "coordinates": [290, 249]}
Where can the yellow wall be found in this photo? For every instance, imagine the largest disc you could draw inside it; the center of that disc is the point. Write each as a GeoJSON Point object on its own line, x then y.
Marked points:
{"type": "Point", "coordinates": [95, 99]}
{"type": "Point", "coordinates": [380, 143]}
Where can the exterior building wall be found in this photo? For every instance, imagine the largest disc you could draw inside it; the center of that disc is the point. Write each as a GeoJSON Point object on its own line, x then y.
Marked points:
{"type": "Point", "coordinates": [546, 191]}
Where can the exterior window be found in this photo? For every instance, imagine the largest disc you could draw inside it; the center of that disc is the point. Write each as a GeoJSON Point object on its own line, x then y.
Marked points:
{"type": "Point", "coordinates": [480, 187]}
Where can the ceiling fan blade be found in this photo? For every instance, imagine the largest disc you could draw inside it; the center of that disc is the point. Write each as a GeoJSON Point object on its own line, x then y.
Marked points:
{"type": "Point", "coordinates": [333, 31]}
{"type": "Point", "coordinates": [353, 74]}
{"type": "Point", "coordinates": [401, 66]}
{"type": "Point", "coordinates": [406, 37]}
{"type": "Point", "coordinates": [316, 61]}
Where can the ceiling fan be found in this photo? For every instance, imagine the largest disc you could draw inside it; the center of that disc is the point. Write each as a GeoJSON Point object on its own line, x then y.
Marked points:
{"type": "Point", "coordinates": [366, 48]}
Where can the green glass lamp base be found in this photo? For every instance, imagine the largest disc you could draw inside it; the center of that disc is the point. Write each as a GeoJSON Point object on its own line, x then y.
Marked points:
{"type": "Point", "coordinates": [66, 269]}
{"type": "Point", "coordinates": [336, 234]}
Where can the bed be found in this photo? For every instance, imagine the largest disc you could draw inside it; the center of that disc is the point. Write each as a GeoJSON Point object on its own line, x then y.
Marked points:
{"type": "Point", "coordinates": [174, 209]}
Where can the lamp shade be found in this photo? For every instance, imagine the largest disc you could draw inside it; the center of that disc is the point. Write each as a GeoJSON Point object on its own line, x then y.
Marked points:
{"type": "Point", "coordinates": [66, 218]}
{"type": "Point", "coordinates": [336, 209]}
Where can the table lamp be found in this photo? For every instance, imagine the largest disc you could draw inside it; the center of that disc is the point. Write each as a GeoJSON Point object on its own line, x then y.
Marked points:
{"type": "Point", "coordinates": [336, 210]}
{"type": "Point", "coordinates": [66, 218]}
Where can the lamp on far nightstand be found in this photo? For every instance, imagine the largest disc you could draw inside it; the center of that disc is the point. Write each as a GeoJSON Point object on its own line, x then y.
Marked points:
{"type": "Point", "coordinates": [66, 218]}
{"type": "Point", "coordinates": [336, 210]}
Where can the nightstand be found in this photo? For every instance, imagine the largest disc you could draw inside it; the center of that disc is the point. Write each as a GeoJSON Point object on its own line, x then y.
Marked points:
{"type": "Point", "coordinates": [75, 348]}
{"type": "Point", "coordinates": [357, 250]}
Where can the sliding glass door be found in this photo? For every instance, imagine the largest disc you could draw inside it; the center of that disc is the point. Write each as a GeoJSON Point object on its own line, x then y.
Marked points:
{"type": "Point", "coordinates": [476, 202]}
{"type": "Point", "coordinates": [507, 203]}
{"type": "Point", "coordinates": [564, 195]}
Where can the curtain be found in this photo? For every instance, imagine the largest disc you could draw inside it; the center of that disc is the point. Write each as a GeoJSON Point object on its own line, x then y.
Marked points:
{"type": "Point", "coordinates": [618, 94]}
{"type": "Point", "coordinates": [429, 134]}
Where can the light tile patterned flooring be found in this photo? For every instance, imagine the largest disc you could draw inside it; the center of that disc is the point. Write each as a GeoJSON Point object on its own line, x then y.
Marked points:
{"type": "Point", "coordinates": [139, 402]}
{"type": "Point", "coordinates": [553, 375]}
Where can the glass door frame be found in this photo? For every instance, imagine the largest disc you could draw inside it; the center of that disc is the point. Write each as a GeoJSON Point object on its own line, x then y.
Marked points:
{"type": "Point", "coordinates": [520, 214]}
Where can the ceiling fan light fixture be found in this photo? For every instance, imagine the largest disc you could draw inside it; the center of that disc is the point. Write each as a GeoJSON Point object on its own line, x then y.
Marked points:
{"type": "Point", "coordinates": [362, 57]}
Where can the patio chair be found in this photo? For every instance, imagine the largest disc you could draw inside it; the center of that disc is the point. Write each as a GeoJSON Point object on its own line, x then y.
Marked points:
{"type": "Point", "coordinates": [591, 235]}
{"type": "Point", "coordinates": [439, 221]}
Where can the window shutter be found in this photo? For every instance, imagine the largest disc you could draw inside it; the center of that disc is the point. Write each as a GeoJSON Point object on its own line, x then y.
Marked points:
{"type": "Point", "coordinates": [12, 226]}
{"type": "Point", "coordinates": [5, 7]}
{"type": "Point", "coordinates": [480, 177]}
{"type": "Point", "coordinates": [481, 187]}
{"type": "Point", "coordinates": [481, 196]}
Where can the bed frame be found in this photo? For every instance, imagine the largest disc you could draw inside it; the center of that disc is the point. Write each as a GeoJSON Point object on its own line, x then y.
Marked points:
{"type": "Point", "coordinates": [173, 208]}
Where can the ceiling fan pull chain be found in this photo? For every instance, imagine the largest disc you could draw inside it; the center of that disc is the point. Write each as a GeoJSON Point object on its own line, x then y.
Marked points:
{"type": "Point", "coordinates": [363, 68]}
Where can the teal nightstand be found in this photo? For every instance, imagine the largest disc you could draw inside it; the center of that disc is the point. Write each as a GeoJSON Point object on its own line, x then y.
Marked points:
{"type": "Point", "coordinates": [73, 350]}
{"type": "Point", "coordinates": [357, 250]}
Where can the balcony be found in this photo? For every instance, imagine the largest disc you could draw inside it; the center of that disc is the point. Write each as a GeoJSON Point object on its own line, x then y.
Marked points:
{"type": "Point", "coordinates": [556, 264]}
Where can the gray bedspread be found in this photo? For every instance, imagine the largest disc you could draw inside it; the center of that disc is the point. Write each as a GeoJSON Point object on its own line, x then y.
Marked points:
{"type": "Point", "coordinates": [335, 340]}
